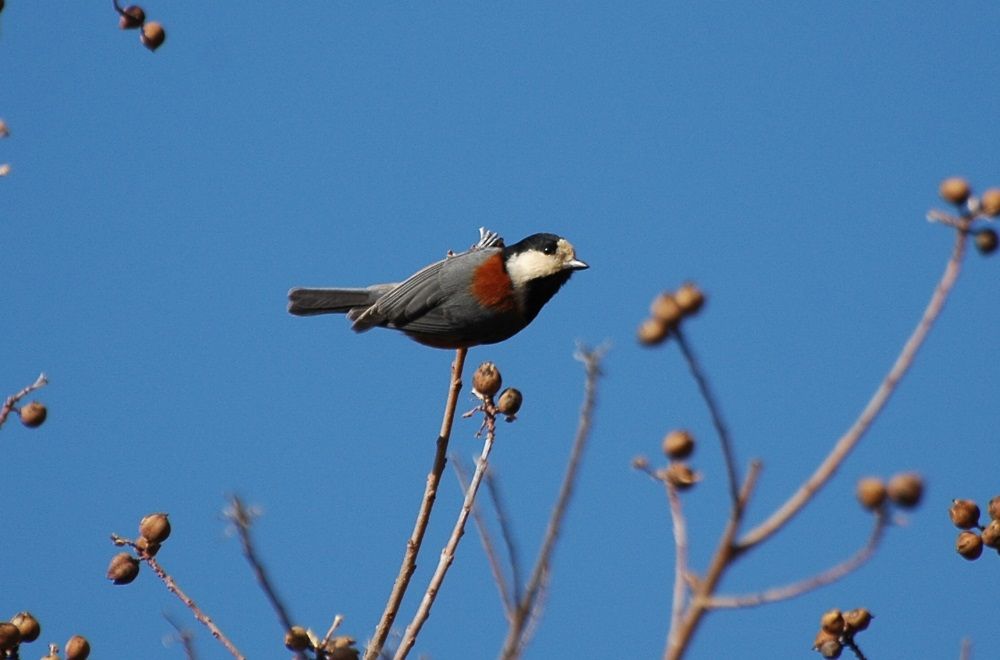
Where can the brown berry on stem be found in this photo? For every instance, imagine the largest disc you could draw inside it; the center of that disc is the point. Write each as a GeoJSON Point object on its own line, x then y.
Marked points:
{"type": "Point", "coordinates": [152, 35]}
{"type": "Point", "coordinates": [27, 625]}
{"type": "Point", "coordinates": [146, 547]}
{"type": "Point", "coordinates": [955, 190]}
{"type": "Point", "coordinates": [993, 509]}
{"type": "Point", "coordinates": [680, 476]}
{"type": "Point", "coordinates": [666, 309]}
{"type": "Point", "coordinates": [828, 645]}
{"type": "Point", "coordinates": [832, 621]}
{"type": "Point", "coordinates": [510, 402]}
{"type": "Point", "coordinates": [77, 648]}
{"type": "Point", "coordinates": [155, 527]}
{"type": "Point", "coordinates": [964, 514]}
{"type": "Point", "coordinates": [986, 241]}
{"type": "Point", "coordinates": [678, 444]}
{"type": "Point", "coordinates": [969, 545]}
{"type": "Point", "coordinates": [297, 639]}
{"type": "Point", "coordinates": [10, 637]}
{"type": "Point", "coordinates": [652, 331]}
{"type": "Point", "coordinates": [989, 203]}
{"type": "Point", "coordinates": [486, 381]}
{"type": "Point", "coordinates": [690, 298]}
{"type": "Point", "coordinates": [991, 534]}
{"type": "Point", "coordinates": [131, 17]}
{"type": "Point", "coordinates": [33, 414]}
{"type": "Point", "coordinates": [906, 489]}
{"type": "Point", "coordinates": [857, 620]}
{"type": "Point", "coordinates": [871, 493]}
{"type": "Point", "coordinates": [123, 568]}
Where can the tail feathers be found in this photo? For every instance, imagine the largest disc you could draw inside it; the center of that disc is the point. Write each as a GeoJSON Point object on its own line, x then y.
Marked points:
{"type": "Point", "coordinates": [307, 302]}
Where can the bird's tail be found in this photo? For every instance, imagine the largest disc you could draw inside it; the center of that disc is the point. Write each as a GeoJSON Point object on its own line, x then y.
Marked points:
{"type": "Point", "coordinates": [307, 302]}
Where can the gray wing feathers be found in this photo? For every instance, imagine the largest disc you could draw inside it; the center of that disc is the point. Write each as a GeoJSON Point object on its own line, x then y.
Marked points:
{"type": "Point", "coordinates": [307, 302]}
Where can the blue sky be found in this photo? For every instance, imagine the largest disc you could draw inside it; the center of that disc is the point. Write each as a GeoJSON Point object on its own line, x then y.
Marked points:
{"type": "Point", "coordinates": [161, 204]}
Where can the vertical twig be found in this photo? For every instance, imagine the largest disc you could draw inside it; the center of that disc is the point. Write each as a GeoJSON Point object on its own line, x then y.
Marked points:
{"type": "Point", "coordinates": [680, 558]}
{"type": "Point", "coordinates": [409, 564]}
{"type": "Point", "coordinates": [448, 553]}
{"type": "Point", "coordinates": [526, 609]}
{"type": "Point", "coordinates": [506, 532]}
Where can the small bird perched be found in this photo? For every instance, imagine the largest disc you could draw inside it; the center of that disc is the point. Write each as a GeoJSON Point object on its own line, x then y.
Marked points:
{"type": "Point", "coordinates": [482, 296]}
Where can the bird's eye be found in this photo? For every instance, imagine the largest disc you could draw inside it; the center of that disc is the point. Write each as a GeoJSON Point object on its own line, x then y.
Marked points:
{"type": "Point", "coordinates": [549, 249]}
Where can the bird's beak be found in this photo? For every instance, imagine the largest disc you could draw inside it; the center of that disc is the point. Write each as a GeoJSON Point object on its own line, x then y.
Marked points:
{"type": "Point", "coordinates": [575, 264]}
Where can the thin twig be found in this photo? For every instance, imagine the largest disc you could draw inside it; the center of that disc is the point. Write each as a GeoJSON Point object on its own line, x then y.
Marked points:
{"type": "Point", "coordinates": [184, 636]}
{"type": "Point", "coordinates": [851, 644]}
{"type": "Point", "coordinates": [513, 645]}
{"type": "Point", "coordinates": [448, 553]}
{"type": "Point", "coordinates": [850, 439]}
{"type": "Point", "coordinates": [680, 556]}
{"type": "Point", "coordinates": [486, 538]}
{"type": "Point", "coordinates": [965, 650]}
{"type": "Point", "coordinates": [242, 518]}
{"type": "Point", "coordinates": [337, 620]}
{"type": "Point", "coordinates": [11, 401]}
{"type": "Point", "coordinates": [828, 576]}
{"type": "Point", "coordinates": [493, 488]}
{"type": "Point", "coordinates": [173, 588]}
{"type": "Point", "coordinates": [409, 564]}
{"type": "Point", "coordinates": [716, 412]}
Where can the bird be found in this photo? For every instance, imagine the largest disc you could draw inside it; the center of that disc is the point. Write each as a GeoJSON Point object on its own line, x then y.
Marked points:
{"type": "Point", "coordinates": [482, 296]}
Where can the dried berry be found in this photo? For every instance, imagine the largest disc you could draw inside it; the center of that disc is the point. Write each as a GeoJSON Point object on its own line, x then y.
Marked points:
{"type": "Point", "coordinates": [341, 648]}
{"type": "Point", "coordinates": [857, 620]}
{"type": "Point", "coordinates": [678, 444]}
{"type": "Point", "coordinates": [147, 547]}
{"type": "Point", "coordinates": [155, 527]}
{"type": "Point", "coordinates": [989, 203]}
{"type": "Point", "coordinates": [986, 241]}
{"type": "Point", "coordinates": [486, 381]}
{"type": "Point", "coordinates": [690, 298]}
{"type": "Point", "coordinates": [680, 475]}
{"type": "Point", "coordinates": [827, 644]}
{"type": "Point", "coordinates": [964, 514]}
{"type": "Point", "coordinates": [77, 648]}
{"type": "Point", "coordinates": [666, 309]}
{"type": "Point", "coordinates": [509, 402]}
{"type": "Point", "coordinates": [993, 509]}
{"type": "Point", "coordinates": [33, 414]}
{"type": "Point", "coordinates": [27, 625]}
{"type": "Point", "coordinates": [871, 493]}
{"type": "Point", "coordinates": [906, 489]}
{"type": "Point", "coordinates": [832, 621]}
{"type": "Point", "coordinates": [640, 463]}
{"type": "Point", "coordinates": [991, 534]}
{"type": "Point", "coordinates": [297, 639]}
{"type": "Point", "coordinates": [955, 190]}
{"type": "Point", "coordinates": [652, 332]}
{"type": "Point", "coordinates": [152, 35]}
{"type": "Point", "coordinates": [969, 545]}
{"type": "Point", "coordinates": [10, 637]}
{"type": "Point", "coordinates": [131, 17]}
{"type": "Point", "coordinates": [123, 568]}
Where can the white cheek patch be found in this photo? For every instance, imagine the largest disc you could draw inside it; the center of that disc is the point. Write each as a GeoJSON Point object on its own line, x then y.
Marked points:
{"type": "Point", "coordinates": [531, 265]}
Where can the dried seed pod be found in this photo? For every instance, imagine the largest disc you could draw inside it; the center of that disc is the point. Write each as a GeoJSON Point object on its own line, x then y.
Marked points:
{"type": "Point", "coordinates": [131, 17]}
{"type": "Point", "coordinates": [832, 621]}
{"type": "Point", "coordinates": [152, 35]}
{"type": "Point", "coordinates": [871, 493]}
{"type": "Point", "coordinates": [510, 402]}
{"type": "Point", "coordinates": [964, 514]}
{"type": "Point", "coordinates": [989, 202]}
{"type": "Point", "coordinates": [27, 625]}
{"type": "Point", "coordinates": [341, 648]}
{"type": "Point", "coordinates": [297, 639]}
{"type": "Point", "coordinates": [678, 444]}
{"type": "Point", "coordinates": [857, 620]}
{"type": "Point", "coordinates": [681, 476]}
{"type": "Point", "coordinates": [690, 298]}
{"type": "Point", "coordinates": [969, 545]}
{"type": "Point", "coordinates": [640, 463]}
{"type": "Point", "coordinates": [906, 489]}
{"type": "Point", "coordinates": [666, 309]}
{"type": "Point", "coordinates": [33, 414]}
{"type": "Point", "coordinates": [993, 509]}
{"type": "Point", "coordinates": [986, 241]}
{"type": "Point", "coordinates": [147, 547]}
{"type": "Point", "coordinates": [77, 648]}
{"type": "Point", "coordinates": [991, 534]}
{"type": "Point", "coordinates": [123, 568]}
{"type": "Point", "coordinates": [955, 190]}
{"type": "Point", "coordinates": [4, 129]}
{"type": "Point", "coordinates": [10, 637]}
{"type": "Point", "coordinates": [827, 644]}
{"type": "Point", "coordinates": [486, 381]}
{"type": "Point", "coordinates": [155, 527]}
{"type": "Point", "coordinates": [652, 331]}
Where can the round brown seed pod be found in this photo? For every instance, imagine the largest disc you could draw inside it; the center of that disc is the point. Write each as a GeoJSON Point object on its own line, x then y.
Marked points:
{"type": "Point", "coordinates": [152, 35]}
{"type": "Point", "coordinates": [666, 309]}
{"type": "Point", "coordinates": [991, 534]}
{"type": "Point", "coordinates": [989, 203]}
{"type": "Point", "coordinates": [871, 493]}
{"type": "Point", "coordinates": [297, 639]}
{"type": "Point", "coordinates": [969, 545]}
{"type": "Point", "coordinates": [857, 620]}
{"type": "Point", "coordinates": [147, 547]}
{"type": "Point", "coordinates": [131, 17]}
{"type": "Point", "coordinates": [690, 298]}
{"type": "Point", "coordinates": [33, 414]}
{"type": "Point", "coordinates": [678, 444]}
{"type": "Point", "coordinates": [955, 190]}
{"type": "Point", "coordinates": [341, 648]}
{"type": "Point", "coordinates": [77, 648]}
{"type": "Point", "coordinates": [832, 621]}
{"type": "Point", "coordinates": [993, 509]}
{"type": "Point", "coordinates": [510, 402]}
{"type": "Point", "coordinates": [486, 380]}
{"type": "Point", "coordinates": [828, 645]}
{"type": "Point", "coordinates": [123, 568]}
{"type": "Point", "coordinates": [652, 332]}
{"type": "Point", "coordinates": [986, 241]}
{"type": "Point", "coordinates": [906, 489]}
{"type": "Point", "coordinates": [27, 625]}
{"type": "Point", "coordinates": [680, 475]}
{"type": "Point", "coordinates": [964, 514]}
{"type": "Point", "coordinates": [155, 527]}
{"type": "Point", "coordinates": [10, 637]}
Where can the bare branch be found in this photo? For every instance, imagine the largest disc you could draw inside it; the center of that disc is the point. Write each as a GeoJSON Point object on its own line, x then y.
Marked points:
{"type": "Point", "coordinates": [409, 564]}
{"type": "Point", "coordinates": [506, 532]}
{"type": "Point", "coordinates": [680, 557]}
